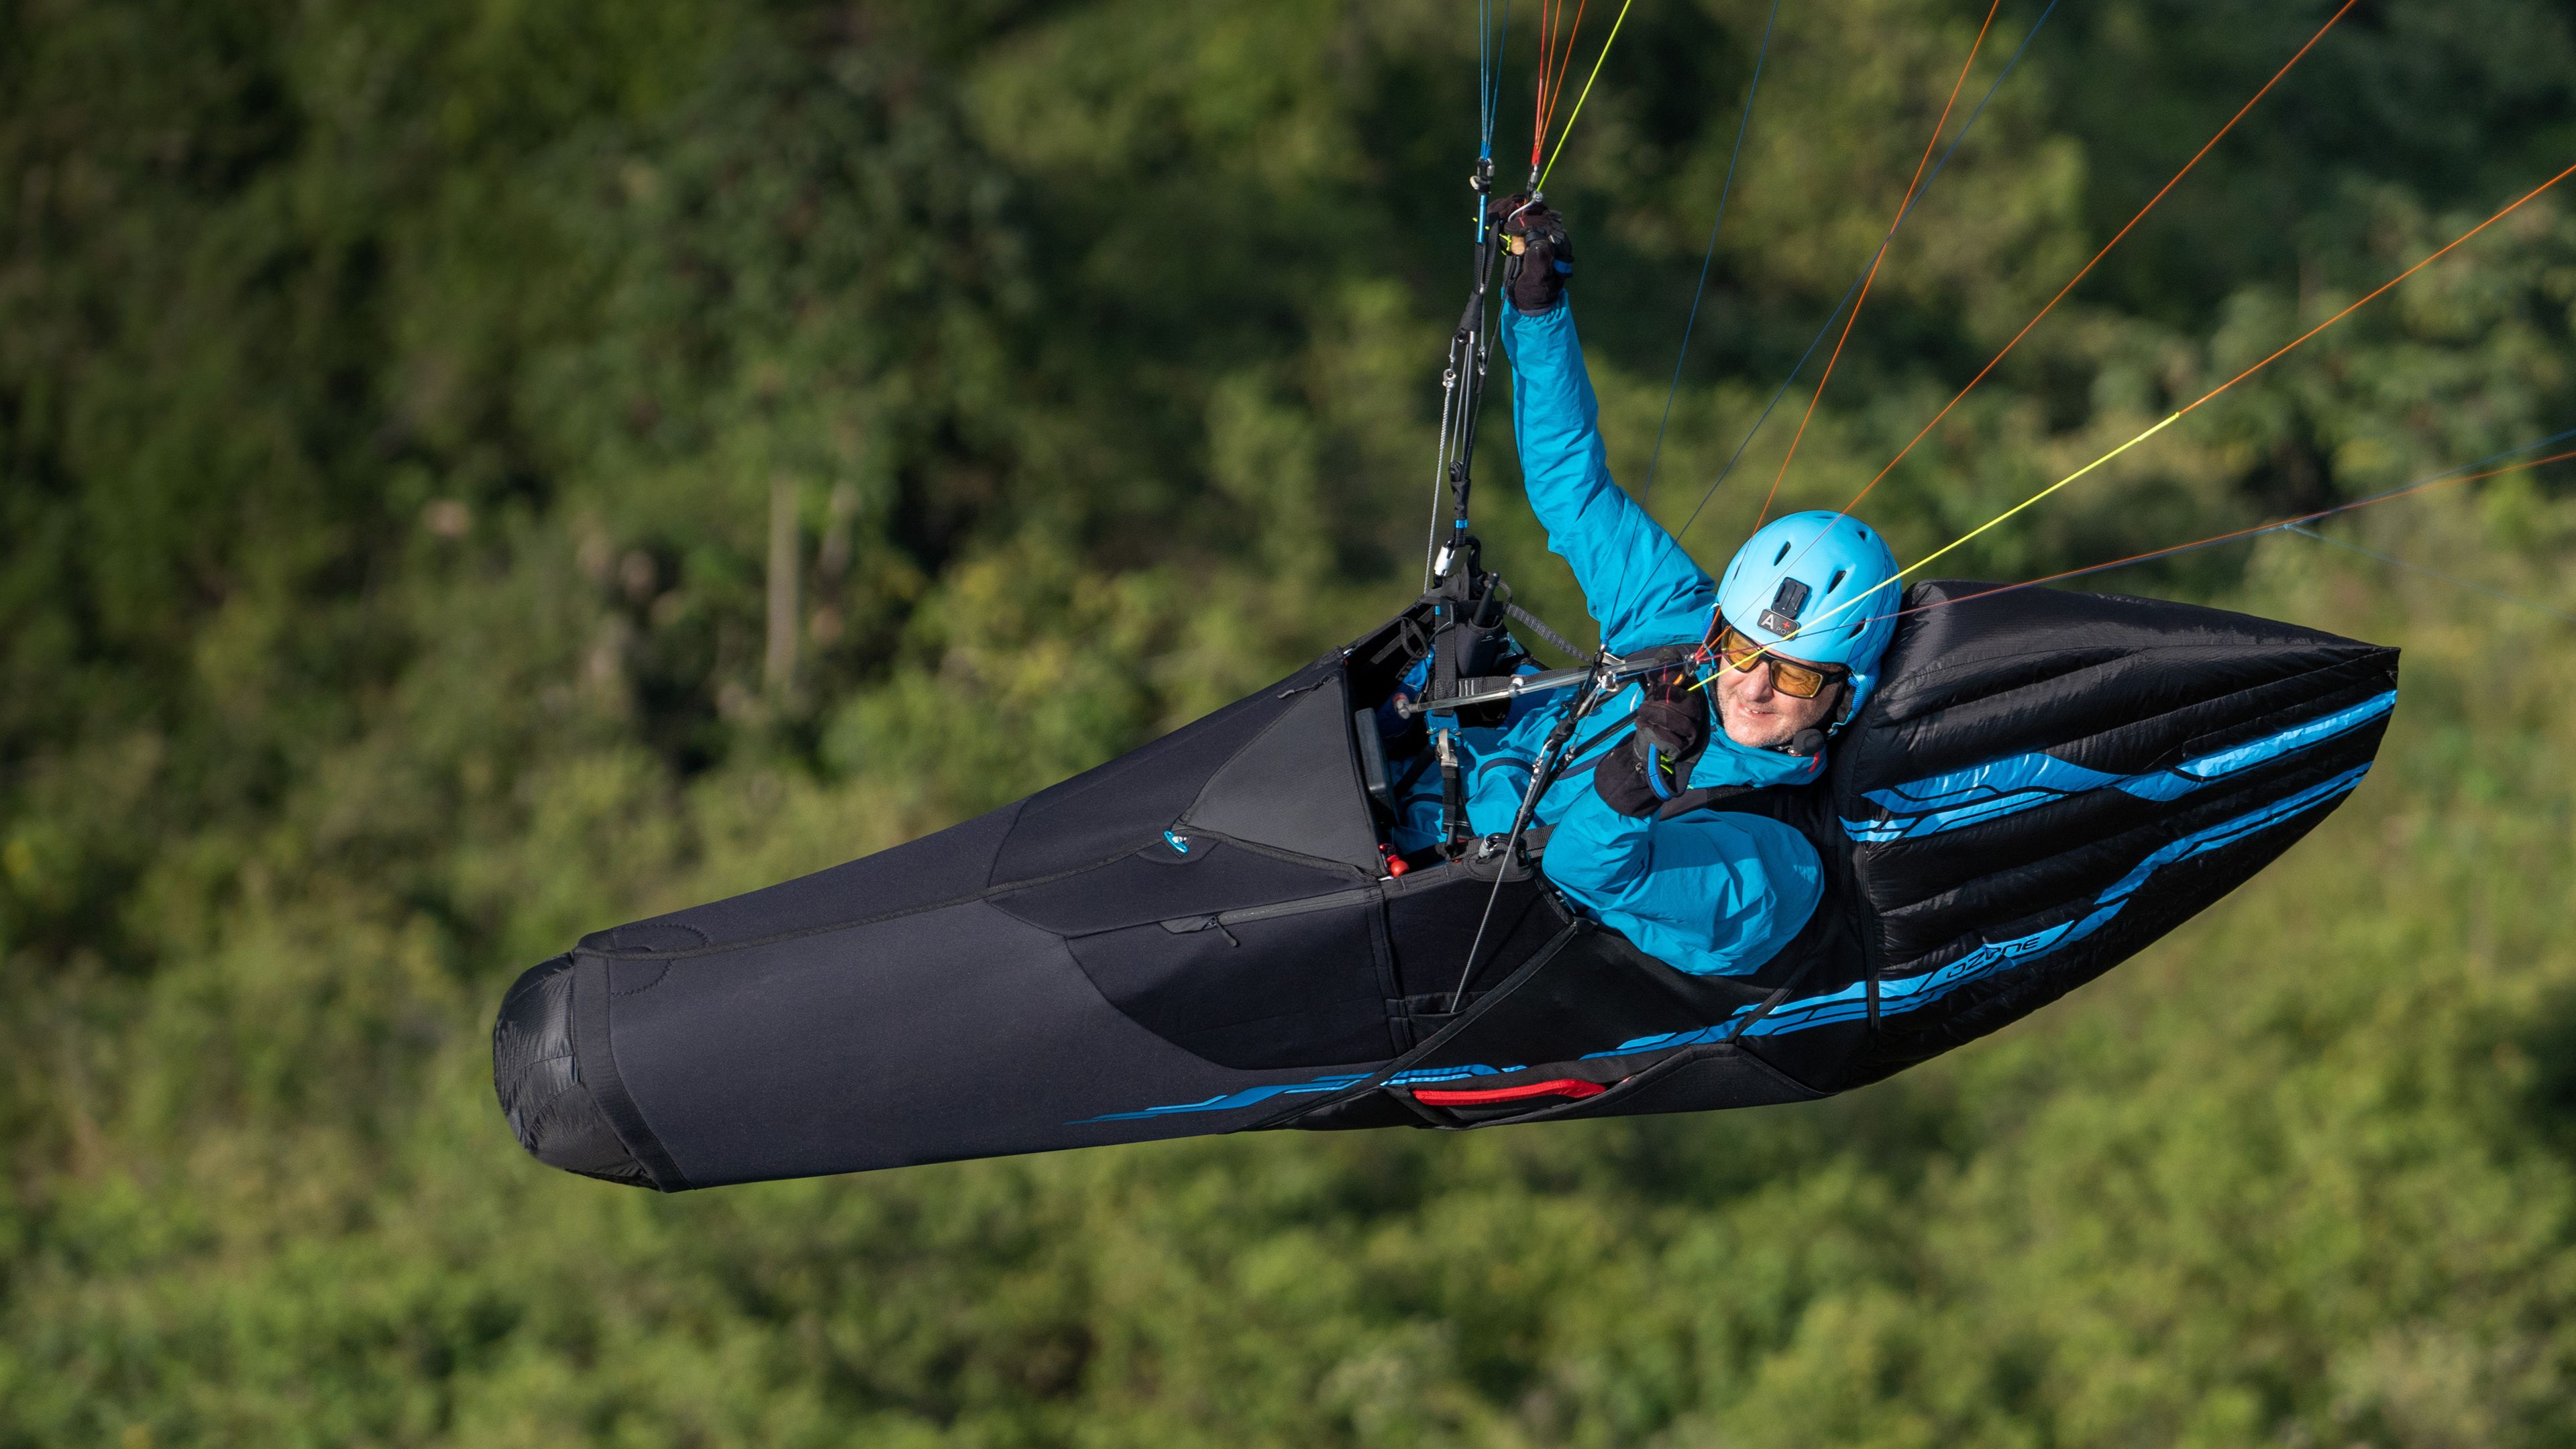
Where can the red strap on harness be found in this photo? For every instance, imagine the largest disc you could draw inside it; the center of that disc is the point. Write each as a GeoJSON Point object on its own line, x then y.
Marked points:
{"type": "Point", "coordinates": [1561, 1087]}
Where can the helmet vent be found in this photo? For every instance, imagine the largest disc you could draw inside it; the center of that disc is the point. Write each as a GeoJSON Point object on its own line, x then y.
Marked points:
{"type": "Point", "coordinates": [1836, 581]}
{"type": "Point", "coordinates": [1783, 553]}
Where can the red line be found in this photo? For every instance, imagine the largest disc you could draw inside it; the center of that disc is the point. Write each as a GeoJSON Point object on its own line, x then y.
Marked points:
{"type": "Point", "coordinates": [1562, 1087]}
{"type": "Point", "coordinates": [1863, 299]}
{"type": "Point", "coordinates": [1564, 60]}
{"type": "Point", "coordinates": [1559, 48]}
{"type": "Point", "coordinates": [2098, 256]}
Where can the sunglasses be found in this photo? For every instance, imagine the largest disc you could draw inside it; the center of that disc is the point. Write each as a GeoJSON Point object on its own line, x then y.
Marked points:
{"type": "Point", "coordinates": [1798, 681]}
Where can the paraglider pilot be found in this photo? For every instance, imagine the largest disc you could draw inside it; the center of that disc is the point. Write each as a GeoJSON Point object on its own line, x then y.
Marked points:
{"type": "Point", "coordinates": [1789, 643]}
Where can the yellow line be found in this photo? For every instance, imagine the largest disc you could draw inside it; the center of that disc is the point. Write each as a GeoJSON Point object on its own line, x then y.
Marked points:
{"type": "Point", "coordinates": [1848, 604]}
{"type": "Point", "coordinates": [2376, 292]}
{"type": "Point", "coordinates": [2034, 498]}
{"type": "Point", "coordinates": [1586, 91]}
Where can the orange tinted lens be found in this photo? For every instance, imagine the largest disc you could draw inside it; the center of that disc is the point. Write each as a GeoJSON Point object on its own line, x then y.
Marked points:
{"type": "Point", "coordinates": [1795, 680]}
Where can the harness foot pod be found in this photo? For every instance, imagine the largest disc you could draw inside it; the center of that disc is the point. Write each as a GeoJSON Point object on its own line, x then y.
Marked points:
{"type": "Point", "coordinates": [1205, 935]}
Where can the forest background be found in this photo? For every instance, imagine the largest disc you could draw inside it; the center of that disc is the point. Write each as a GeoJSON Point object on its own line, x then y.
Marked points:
{"type": "Point", "coordinates": [473, 472]}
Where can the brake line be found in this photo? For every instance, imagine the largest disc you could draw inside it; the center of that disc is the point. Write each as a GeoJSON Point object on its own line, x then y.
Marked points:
{"type": "Point", "coordinates": [2466, 473]}
{"type": "Point", "coordinates": [1581, 95]}
{"type": "Point", "coordinates": [2179, 414]}
{"type": "Point", "coordinates": [1724, 190]}
{"type": "Point", "coordinates": [1919, 564]}
{"type": "Point", "coordinates": [1828, 324]}
{"type": "Point", "coordinates": [2087, 269]}
{"type": "Point", "coordinates": [2472, 587]}
{"type": "Point", "coordinates": [1910, 188]}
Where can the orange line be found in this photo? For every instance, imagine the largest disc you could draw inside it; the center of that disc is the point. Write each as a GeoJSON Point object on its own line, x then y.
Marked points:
{"type": "Point", "coordinates": [1564, 62]}
{"type": "Point", "coordinates": [2244, 532]}
{"type": "Point", "coordinates": [2098, 256]}
{"type": "Point", "coordinates": [1863, 299]}
{"type": "Point", "coordinates": [2381, 288]}
{"type": "Point", "coordinates": [2179, 414]}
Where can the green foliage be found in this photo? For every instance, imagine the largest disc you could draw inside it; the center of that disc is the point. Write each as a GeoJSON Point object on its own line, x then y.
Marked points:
{"type": "Point", "coordinates": [400, 406]}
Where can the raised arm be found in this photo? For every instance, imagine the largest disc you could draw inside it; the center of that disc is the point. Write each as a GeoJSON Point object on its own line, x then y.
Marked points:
{"type": "Point", "coordinates": [1641, 587]}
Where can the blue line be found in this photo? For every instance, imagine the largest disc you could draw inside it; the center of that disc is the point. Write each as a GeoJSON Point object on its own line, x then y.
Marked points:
{"type": "Point", "coordinates": [2436, 573]}
{"type": "Point", "coordinates": [1919, 193]}
{"type": "Point", "coordinates": [1723, 191]}
{"type": "Point", "coordinates": [2438, 477]}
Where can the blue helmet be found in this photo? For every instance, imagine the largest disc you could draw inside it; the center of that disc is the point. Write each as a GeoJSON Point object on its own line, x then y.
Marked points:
{"type": "Point", "coordinates": [1822, 586]}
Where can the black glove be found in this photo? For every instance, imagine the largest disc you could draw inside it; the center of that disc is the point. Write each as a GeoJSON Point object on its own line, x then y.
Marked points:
{"type": "Point", "coordinates": [1541, 257]}
{"type": "Point", "coordinates": [1654, 765]}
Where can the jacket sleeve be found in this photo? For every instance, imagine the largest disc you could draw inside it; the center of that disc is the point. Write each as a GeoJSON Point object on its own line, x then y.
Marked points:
{"type": "Point", "coordinates": [1711, 894]}
{"type": "Point", "coordinates": [1641, 587]}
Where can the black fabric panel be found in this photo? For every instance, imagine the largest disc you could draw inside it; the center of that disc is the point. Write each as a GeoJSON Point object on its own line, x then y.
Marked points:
{"type": "Point", "coordinates": [2144, 712]}
{"type": "Point", "coordinates": [1128, 802]}
{"type": "Point", "coordinates": [1297, 787]}
{"type": "Point", "coordinates": [1699, 1081]}
{"type": "Point", "coordinates": [2188, 889]}
{"type": "Point", "coordinates": [1431, 919]}
{"type": "Point", "coordinates": [1836, 956]}
{"type": "Point", "coordinates": [1904, 873]}
{"type": "Point", "coordinates": [2213, 718]}
{"type": "Point", "coordinates": [2115, 684]}
{"type": "Point", "coordinates": [936, 868]}
{"type": "Point", "coordinates": [955, 1033]}
{"type": "Point", "coordinates": [2173, 881]}
{"type": "Point", "coordinates": [2121, 685]}
{"type": "Point", "coordinates": [2121, 716]}
{"type": "Point", "coordinates": [1597, 993]}
{"type": "Point", "coordinates": [1292, 991]}
{"type": "Point", "coordinates": [597, 1066]}
{"type": "Point", "coordinates": [1951, 654]}
{"type": "Point", "coordinates": [1155, 884]}
{"type": "Point", "coordinates": [2097, 843]}
{"type": "Point", "coordinates": [537, 1075]}
{"type": "Point", "coordinates": [1361, 1113]}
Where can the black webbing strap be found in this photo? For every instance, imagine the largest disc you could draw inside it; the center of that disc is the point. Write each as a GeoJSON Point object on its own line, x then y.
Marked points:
{"type": "Point", "coordinates": [1466, 1017]}
{"type": "Point", "coordinates": [1539, 627]}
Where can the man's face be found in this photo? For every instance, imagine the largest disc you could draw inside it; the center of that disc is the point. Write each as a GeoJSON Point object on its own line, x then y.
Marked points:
{"type": "Point", "coordinates": [1759, 717]}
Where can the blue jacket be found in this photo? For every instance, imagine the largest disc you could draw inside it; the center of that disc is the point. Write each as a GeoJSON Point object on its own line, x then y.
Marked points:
{"type": "Point", "coordinates": [1712, 892]}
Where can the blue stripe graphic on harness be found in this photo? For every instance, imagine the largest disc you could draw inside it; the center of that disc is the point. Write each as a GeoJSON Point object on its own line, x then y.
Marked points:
{"type": "Point", "coordinates": [1248, 1097]}
{"type": "Point", "coordinates": [2022, 782]}
{"type": "Point", "coordinates": [1912, 993]}
{"type": "Point", "coordinates": [1896, 997]}
{"type": "Point", "coordinates": [1254, 1096]}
